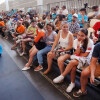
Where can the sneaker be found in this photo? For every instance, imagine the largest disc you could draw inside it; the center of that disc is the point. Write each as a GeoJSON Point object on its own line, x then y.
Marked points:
{"type": "Point", "coordinates": [25, 68]}
{"type": "Point", "coordinates": [23, 53]}
{"type": "Point", "coordinates": [38, 68]}
{"type": "Point", "coordinates": [59, 79]}
{"type": "Point", "coordinates": [79, 93]}
{"type": "Point", "coordinates": [18, 41]}
{"type": "Point", "coordinates": [70, 87]}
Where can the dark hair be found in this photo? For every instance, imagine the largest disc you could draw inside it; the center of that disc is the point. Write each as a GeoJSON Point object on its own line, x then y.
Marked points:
{"type": "Point", "coordinates": [57, 6]}
{"type": "Point", "coordinates": [0, 19]}
{"type": "Point", "coordinates": [26, 23]}
{"type": "Point", "coordinates": [83, 9]}
{"type": "Point", "coordinates": [64, 7]}
{"type": "Point", "coordinates": [52, 25]}
{"type": "Point", "coordinates": [54, 9]}
{"type": "Point", "coordinates": [85, 42]}
{"type": "Point", "coordinates": [60, 17]}
{"type": "Point", "coordinates": [50, 16]}
{"type": "Point", "coordinates": [94, 7]}
{"type": "Point", "coordinates": [44, 17]}
{"type": "Point", "coordinates": [32, 21]}
{"type": "Point", "coordinates": [40, 25]}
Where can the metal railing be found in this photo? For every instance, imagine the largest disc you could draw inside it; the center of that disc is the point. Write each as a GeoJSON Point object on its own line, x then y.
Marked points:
{"type": "Point", "coordinates": [70, 4]}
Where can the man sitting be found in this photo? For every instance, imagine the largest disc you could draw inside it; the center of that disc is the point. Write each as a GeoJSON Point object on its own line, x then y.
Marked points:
{"type": "Point", "coordinates": [2, 24]}
{"type": "Point", "coordinates": [19, 30]}
{"type": "Point", "coordinates": [74, 27]}
{"type": "Point", "coordinates": [96, 14]}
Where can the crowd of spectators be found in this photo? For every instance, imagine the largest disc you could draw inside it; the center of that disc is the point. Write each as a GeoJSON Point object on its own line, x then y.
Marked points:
{"type": "Point", "coordinates": [61, 35]}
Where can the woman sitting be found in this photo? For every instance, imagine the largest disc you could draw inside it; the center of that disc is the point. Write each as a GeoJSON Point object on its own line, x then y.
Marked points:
{"type": "Point", "coordinates": [58, 22]}
{"type": "Point", "coordinates": [83, 50]}
{"type": "Point", "coordinates": [28, 36]}
{"type": "Point", "coordinates": [50, 37]}
{"type": "Point", "coordinates": [38, 45]}
{"type": "Point", "coordinates": [62, 46]}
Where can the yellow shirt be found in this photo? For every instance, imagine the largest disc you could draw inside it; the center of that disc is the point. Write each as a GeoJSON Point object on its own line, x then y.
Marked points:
{"type": "Point", "coordinates": [31, 29]}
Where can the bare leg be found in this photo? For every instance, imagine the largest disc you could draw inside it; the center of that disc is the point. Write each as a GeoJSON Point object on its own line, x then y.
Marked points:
{"type": "Point", "coordinates": [61, 60]}
{"type": "Point", "coordinates": [14, 46]}
{"type": "Point", "coordinates": [31, 56]}
{"type": "Point", "coordinates": [73, 74]}
{"type": "Point", "coordinates": [69, 67]}
{"type": "Point", "coordinates": [23, 46]}
{"type": "Point", "coordinates": [31, 49]}
{"type": "Point", "coordinates": [50, 57]}
{"type": "Point", "coordinates": [84, 78]}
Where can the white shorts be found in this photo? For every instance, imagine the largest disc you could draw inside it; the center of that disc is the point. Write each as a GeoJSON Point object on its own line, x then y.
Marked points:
{"type": "Point", "coordinates": [83, 61]}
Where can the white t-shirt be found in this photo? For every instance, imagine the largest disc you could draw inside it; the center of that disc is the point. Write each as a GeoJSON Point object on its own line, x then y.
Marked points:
{"type": "Point", "coordinates": [96, 13]}
{"type": "Point", "coordinates": [58, 11]}
{"type": "Point", "coordinates": [64, 12]}
{"type": "Point", "coordinates": [90, 47]}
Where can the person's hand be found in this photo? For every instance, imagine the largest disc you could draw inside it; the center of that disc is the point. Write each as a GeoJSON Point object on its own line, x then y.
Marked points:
{"type": "Point", "coordinates": [95, 39]}
{"type": "Point", "coordinates": [92, 79]}
{"type": "Point", "coordinates": [81, 14]}
{"type": "Point", "coordinates": [50, 53]}
{"type": "Point", "coordinates": [17, 33]}
{"type": "Point", "coordinates": [59, 50]}
{"type": "Point", "coordinates": [79, 43]}
{"type": "Point", "coordinates": [79, 22]}
{"type": "Point", "coordinates": [49, 43]}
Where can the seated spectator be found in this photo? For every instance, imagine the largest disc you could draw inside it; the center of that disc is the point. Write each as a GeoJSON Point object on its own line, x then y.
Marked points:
{"type": "Point", "coordinates": [96, 13]}
{"type": "Point", "coordinates": [62, 46]}
{"type": "Point", "coordinates": [69, 17]}
{"type": "Point", "coordinates": [43, 17]}
{"type": "Point", "coordinates": [19, 18]}
{"type": "Point", "coordinates": [2, 24]}
{"type": "Point", "coordinates": [39, 44]}
{"type": "Point", "coordinates": [51, 11]}
{"type": "Point", "coordinates": [57, 10]}
{"type": "Point", "coordinates": [26, 24]}
{"type": "Point", "coordinates": [28, 18]}
{"type": "Point", "coordinates": [48, 19]}
{"type": "Point", "coordinates": [8, 28]}
{"type": "Point", "coordinates": [58, 22]}
{"type": "Point", "coordinates": [81, 57]}
{"type": "Point", "coordinates": [50, 37]}
{"type": "Point", "coordinates": [82, 18]}
{"type": "Point", "coordinates": [92, 71]}
{"type": "Point", "coordinates": [19, 30]}
{"type": "Point", "coordinates": [96, 27]}
{"type": "Point", "coordinates": [28, 36]}
{"type": "Point", "coordinates": [64, 12]}
{"type": "Point", "coordinates": [36, 17]}
{"type": "Point", "coordinates": [24, 18]}
{"type": "Point", "coordinates": [73, 26]}
{"type": "Point", "coordinates": [14, 19]}
{"type": "Point", "coordinates": [54, 14]}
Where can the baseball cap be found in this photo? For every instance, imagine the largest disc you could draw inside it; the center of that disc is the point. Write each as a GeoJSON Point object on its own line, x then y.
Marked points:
{"type": "Point", "coordinates": [75, 15]}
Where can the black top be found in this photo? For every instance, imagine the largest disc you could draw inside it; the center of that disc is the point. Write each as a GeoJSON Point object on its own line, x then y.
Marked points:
{"type": "Point", "coordinates": [96, 51]}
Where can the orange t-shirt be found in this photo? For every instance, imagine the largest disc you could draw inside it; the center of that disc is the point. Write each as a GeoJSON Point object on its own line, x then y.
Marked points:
{"type": "Point", "coordinates": [40, 34]}
{"type": "Point", "coordinates": [20, 29]}
{"type": "Point", "coordinates": [2, 23]}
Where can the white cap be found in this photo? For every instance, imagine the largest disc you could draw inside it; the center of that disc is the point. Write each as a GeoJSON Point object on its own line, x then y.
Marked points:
{"type": "Point", "coordinates": [75, 15]}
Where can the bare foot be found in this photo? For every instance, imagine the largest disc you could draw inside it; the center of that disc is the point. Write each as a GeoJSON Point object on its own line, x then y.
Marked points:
{"type": "Point", "coordinates": [47, 71]}
{"type": "Point", "coordinates": [13, 48]}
